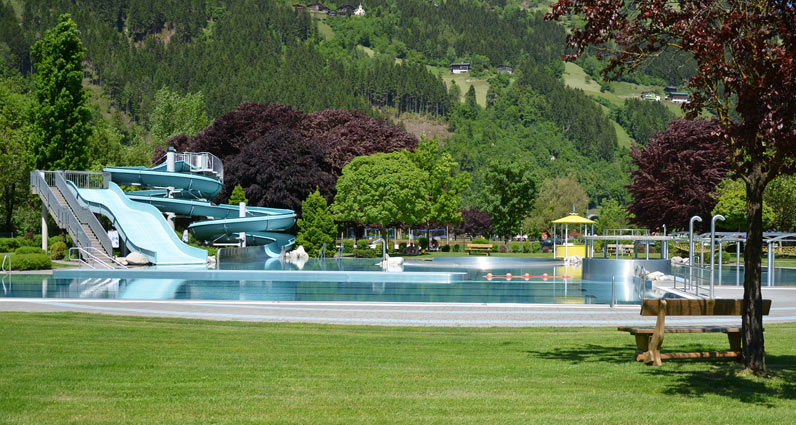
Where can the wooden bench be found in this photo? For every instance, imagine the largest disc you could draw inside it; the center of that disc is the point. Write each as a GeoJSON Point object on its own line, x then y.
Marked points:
{"type": "Point", "coordinates": [650, 339]}
{"type": "Point", "coordinates": [479, 247]}
{"type": "Point", "coordinates": [623, 248]}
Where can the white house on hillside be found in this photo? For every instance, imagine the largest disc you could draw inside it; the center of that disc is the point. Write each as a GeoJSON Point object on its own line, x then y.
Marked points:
{"type": "Point", "coordinates": [359, 11]}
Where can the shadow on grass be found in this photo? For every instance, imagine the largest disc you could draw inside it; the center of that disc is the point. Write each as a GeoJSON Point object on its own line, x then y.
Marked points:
{"type": "Point", "coordinates": [733, 382]}
{"type": "Point", "coordinates": [589, 353]}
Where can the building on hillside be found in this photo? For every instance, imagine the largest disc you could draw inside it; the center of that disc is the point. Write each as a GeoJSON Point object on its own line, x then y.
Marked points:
{"type": "Point", "coordinates": [360, 11]}
{"type": "Point", "coordinates": [650, 95]}
{"type": "Point", "coordinates": [505, 69]}
{"type": "Point", "coordinates": [460, 68]}
{"type": "Point", "coordinates": [317, 8]}
{"type": "Point", "coordinates": [678, 97]}
{"type": "Point", "coordinates": [345, 10]}
{"type": "Point", "coordinates": [299, 6]}
{"type": "Point", "coordinates": [670, 89]}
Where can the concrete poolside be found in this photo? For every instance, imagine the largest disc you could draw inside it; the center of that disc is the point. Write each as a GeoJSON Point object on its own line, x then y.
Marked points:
{"type": "Point", "coordinates": [399, 314]}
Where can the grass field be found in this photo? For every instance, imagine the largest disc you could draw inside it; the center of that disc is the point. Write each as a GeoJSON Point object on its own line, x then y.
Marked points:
{"type": "Point", "coordinates": [464, 81]}
{"type": "Point", "coordinates": [92, 369]}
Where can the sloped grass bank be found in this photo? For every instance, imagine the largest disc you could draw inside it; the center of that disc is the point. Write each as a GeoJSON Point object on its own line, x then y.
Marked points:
{"type": "Point", "coordinates": [88, 369]}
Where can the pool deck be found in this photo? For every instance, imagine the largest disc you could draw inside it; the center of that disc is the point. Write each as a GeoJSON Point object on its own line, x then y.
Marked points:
{"type": "Point", "coordinates": [399, 314]}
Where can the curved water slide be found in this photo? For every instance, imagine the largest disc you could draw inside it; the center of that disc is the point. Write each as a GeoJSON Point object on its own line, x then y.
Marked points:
{"type": "Point", "coordinates": [262, 226]}
{"type": "Point", "coordinates": [141, 226]}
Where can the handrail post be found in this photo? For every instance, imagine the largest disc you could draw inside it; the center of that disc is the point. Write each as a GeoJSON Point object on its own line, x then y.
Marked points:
{"type": "Point", "coordinates": [691, 247]}
{"type": "Point", "coordinates": [613, 290]}
{"type": "Point", "coordinates": [712, 246]}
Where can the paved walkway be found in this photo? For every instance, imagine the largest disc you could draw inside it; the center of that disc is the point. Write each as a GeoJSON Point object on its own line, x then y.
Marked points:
{"type": "Point", "coordinates": [399, 314]}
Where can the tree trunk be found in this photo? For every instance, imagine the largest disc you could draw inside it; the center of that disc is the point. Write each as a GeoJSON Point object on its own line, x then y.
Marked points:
{"type": "Point", "coordinates": [754, 353]}
{"type": "Point", "coordinates": [9, 205]}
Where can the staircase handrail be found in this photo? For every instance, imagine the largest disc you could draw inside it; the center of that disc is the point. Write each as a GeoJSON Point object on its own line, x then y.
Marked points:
{"type": "Point", "coordinates": [64, 217]}
{"type": "Point", "coordinates": [100, 254]}
{"type": "Point", "coordinates": [84, 215]}
{"type": "Point", "coordinates": [84, 252]}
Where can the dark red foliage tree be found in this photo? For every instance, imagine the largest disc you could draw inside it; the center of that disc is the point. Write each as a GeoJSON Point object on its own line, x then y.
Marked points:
{"type": "Point", "coordinates": [746, 74]}
{"type": "Point", "coordinates": [279, 155]}
{"type": "Point", "coordinates": [349, 134]}
{"type": "Point", "coordinates": [474, 223]}
{"type": "Point", "coordinates": [677, 174]}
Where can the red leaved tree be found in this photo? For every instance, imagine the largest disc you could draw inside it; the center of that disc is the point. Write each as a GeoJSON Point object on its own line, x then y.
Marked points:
{"type": "Point", "coordinates": [677, 174]}
{"type": "Point", "coordinates": [746, 75]}
{"type": "Point", "coordinates": [279, 155]}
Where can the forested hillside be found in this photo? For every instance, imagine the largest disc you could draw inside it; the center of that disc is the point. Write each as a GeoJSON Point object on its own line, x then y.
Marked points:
{"type": "Point", "coordinates": [218, 54]}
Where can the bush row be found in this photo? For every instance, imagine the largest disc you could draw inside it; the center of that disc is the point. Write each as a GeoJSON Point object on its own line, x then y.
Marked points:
{"type": "Point", "coordinates": [30, 262]}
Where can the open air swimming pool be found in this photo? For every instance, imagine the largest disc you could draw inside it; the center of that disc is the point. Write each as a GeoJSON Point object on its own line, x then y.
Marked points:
{"type": "Point", "coordinates": [443, 280]}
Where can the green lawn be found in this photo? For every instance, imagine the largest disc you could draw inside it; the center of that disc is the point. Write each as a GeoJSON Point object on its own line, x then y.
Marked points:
{"type": "Point", "coordinates": [88, 369]}
{"type": "Point", "coordinates": [464, 81]}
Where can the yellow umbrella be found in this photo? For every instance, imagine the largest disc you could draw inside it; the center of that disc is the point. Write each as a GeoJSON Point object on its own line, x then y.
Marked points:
{"type": "Point", "coordinates": [566, 221]}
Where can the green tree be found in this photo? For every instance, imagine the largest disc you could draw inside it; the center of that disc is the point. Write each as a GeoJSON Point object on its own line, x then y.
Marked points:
{"type": "Point", "coordinates": [612, 216]}
{"type": "Point", "coordinates": [556, 199]}
{"type": "Point", "coordinates": [62, 117]}
{"type": "Point", "coordinates": [731, 203]}
{"type": "Point", "coordinates": [454, 92]}
{"type": "Point", "coordinates": [238, 195]}
{"type": "Point", "coordinates": [15, 131]}
{"type": "Point", "coordinates": [444, 184]}
{"type": "Point", "coordinates": [175, 115]}
{"type": "Point", "coordinates": [780, 195]}
{"type": "Point", "coordinates": [316, 225]}
{"type": "Point", "coordinates": [509, 193]}
{"type": "Point", "coordinates": [381, 189]}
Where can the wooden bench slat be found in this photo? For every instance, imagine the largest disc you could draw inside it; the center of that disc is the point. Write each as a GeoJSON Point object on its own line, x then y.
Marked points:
{"type": "Point", "coordinates": [682, 329]}
{"type": "Point", "coordinates": [703, 307]}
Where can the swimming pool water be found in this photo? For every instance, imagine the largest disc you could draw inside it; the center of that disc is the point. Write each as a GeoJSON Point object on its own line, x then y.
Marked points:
{"type": "Point", "coordinates": [450, 280]}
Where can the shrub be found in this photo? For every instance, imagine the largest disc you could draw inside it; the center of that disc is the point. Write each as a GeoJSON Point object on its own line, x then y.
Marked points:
{"type": "Point", "coordinates": [55, 239]}
{"type": "Point", "coordinates": [402, 246]}
{"type": "Point", "coordinates": [457, 248]}
{"type": "Point", "coordinates": [423, 242]}
{"type": "Point", "coordinates": [366, 253]}
{"type": "Point", "coordinates": [479, 240]}
{"type": "Point", "coordinates": [348, 246]}
{"type": "Point", "coordinates": [58, 250]}
{"type": "Point", "coordinates": [22, 241]}
{"type": "Point", "coordinates": [8, 244]}
{"type": "Point", "coordinates": [30, 262]}
{"type": "Point", "coordinates": [445, 248]}
{"type": "Point", "coordinates": [535, 247]}
{"type": "Point", "coordinates": [362, 244]}
{"type": "Point", "coordinates": [29, 250]}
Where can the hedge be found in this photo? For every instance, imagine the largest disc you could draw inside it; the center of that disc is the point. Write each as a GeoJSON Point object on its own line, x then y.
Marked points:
{"type": "Point", "coordinates": [30, 262]}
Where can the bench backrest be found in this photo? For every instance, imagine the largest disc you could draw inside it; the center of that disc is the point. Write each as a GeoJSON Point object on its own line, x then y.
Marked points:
{"type": "Point", "coordinates": [683, 307]}
{"type": "Point", "coordinates": [479, 245]}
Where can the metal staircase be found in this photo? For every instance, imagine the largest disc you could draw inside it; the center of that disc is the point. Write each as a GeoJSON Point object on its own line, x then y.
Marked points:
{"type": "Point", "coordinates": [81, 224]}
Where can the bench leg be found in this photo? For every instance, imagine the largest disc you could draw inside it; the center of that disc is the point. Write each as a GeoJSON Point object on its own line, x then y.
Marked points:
{"type": "Point", "coordinates": [642, 346]}
{"type": "Point", "coordinates": [653, 355]}
{"type": "Point", "coordinates": [735, 344]}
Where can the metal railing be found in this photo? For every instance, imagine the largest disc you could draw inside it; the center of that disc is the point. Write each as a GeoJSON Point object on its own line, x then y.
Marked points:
{"type": "Point", "coordinates": [199, 162]}
{"type": "Point", "coordinates": [87, 179]}
{"type": "Point", "coordinates": [93, 256]}
{"type": "Point", "coordinates": [83, 214]}
{"type": "Point", "coordinates": [74, 215]}
{"type": "Point", "coordinates": [43, 182]}
{"type": "Point", "coordinates": [694, 279]}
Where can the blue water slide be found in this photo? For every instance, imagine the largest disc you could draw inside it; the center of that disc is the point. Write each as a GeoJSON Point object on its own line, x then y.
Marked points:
{"type": "Point", "coordinates": [141, 226]}
{"type": "Point", "coordinates": [201, 186]}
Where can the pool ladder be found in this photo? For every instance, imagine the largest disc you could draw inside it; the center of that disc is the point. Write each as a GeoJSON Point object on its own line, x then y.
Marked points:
{"type": "Point", "coordinates": [3, 267]}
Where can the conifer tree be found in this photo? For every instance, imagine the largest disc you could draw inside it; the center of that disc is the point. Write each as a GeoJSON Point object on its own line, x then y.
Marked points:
{"type": "Point", "coordinates": [238, 196]}
{"type": "Point", "coordinates": [316, 225]}
{"type": "Point", "coordinates": [61, 119]}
